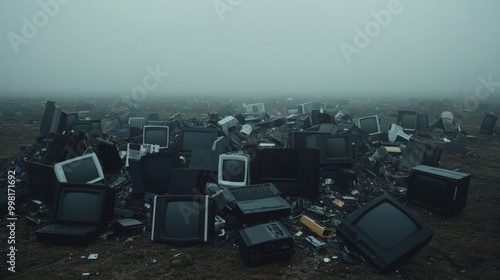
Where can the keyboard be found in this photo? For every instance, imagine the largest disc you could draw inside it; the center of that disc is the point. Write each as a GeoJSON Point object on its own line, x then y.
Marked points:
{"type": "Point", "coordinates": [119, 182]}
{"type": "Point", "coordinates": [134, 154]}
{"type": "Point", "coordinates": [252, 192]}
{"type": "Point", "coordinates": [68, 229]}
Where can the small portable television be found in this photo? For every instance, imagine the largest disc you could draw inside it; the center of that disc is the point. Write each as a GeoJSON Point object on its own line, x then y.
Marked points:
{"type": "Point", "coordinates": [370, 124]}
{"type": "Point", "coordinates": [183, 219]}
{"type": "Point", "coordinates": [386, 232]}
{"type": "Point", "coordinates": [82, 169]}
{"type": "Point", "coordinates": [233, 170]}
{"type": "Point", "coordinates": [197, 137]}
{"type": "Point", "coordinates": [441, 190]}
{"type": "Point", "coordinates": [338, 149]}
{"type": "Point", "coordinates": [156, 135]}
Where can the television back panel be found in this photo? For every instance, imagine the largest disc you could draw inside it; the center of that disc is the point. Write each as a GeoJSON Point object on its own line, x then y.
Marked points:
{"type": "Point", "coordinates": [265, 243]}
{"type": "Point", "coordinates": [448, 201]}
{"type": "Point", "coordinates": [50, 106]}
{"type": "Point", "coordinates": [109, 156]}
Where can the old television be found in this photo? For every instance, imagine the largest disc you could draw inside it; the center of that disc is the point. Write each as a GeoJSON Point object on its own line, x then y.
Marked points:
{"type": "Point", "coordinates": [108, 154]}
{"type": "Point", "coordinates": [82, 125]}
{"type": "Point", "coordinates": [197, 137]}
{"type": "Point", "coordinates": [156, 169]}
{"type": "Point", "coordinates": [304, 139]}
{"type": "Point", "coordinates": [54, 119]}
{"type": "Point", "coordinates": [70, 118]}
{"type": "Point", "coordinates": [84, 203]}
{"type": "Point", "coordinates": [488, 124]}
{"type": "Point", "coordinates": [386, 232]}
{"type": "Point", "coordinates": [422, 121]}
{"type": "Point", "coordinates": [183, 219]}
{"type": "Point", "coordinates": [305, 108]}
{"type": "Point", "coordinates": [233, 170]}
{"type": "Point", "coordinates": [81, 169]}
{"type": "Point", "coordinates": [441, 190]}
{"type": "Point", "coordinates": [408, 120]}
{"type": "Point", "coordinates": [42, 181]}
{"type": "Point", "coordinates": [156, 135]}
{"type": "Point", "coordinates": [418, 152]}
{"type": "Point", "coordinates": [256, 108]}
{"type": "Point", "coordinates": [370, 124]}
{"type": "Point", "coordinates": [286, 169]}
{"type": "Point", "coordinates": [135, 125]}
{"type": "Point", "coordinates": [337, 149]}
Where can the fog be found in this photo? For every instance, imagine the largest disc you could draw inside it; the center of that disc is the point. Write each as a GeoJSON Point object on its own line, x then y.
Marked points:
{"type": "Point", "coordinates": [261, 47]}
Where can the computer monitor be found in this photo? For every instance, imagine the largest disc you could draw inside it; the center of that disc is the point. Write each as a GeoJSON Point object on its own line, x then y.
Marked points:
{"type": "Point", "coordinates": [422, 121]}
{"type": "Point", "coordinates": [370, 125]}
{"type": "Point", "coordinates": [233, 170]}
{"type": "Point", "coordinates": [305, 108]}
{"type": "Point", "coordinates": [156, 135]}
{"type": "Point", "coordinates": [109, 156]}
{"type": "Point", "coordinates": [256, 108]}
{"type": "Point", "coordinates": [82, 125]}
{"type": "Point", "coordinates": [386, 232]}
{"type": "Point", "coordinates": [418, 152]}
{"type": "Point", "coordinates": [318, 118]}
{"type": "Point", "coordinates": [70, 118]}
{"type": "Point", "coordinates": [81, 169]}
{"type": "Point", "coordinates": [197, 137]}
{"type": "Point", "coordinates": [286, 169]}
{"type": "Point", "coordinates": [157, 170]}
{"type": "Point", "coordinates": [136, 125]}
{"type": "Point", "coordinates": [183, 219]}
{"type": "Point", "coordinates": [84, 203]}
{"type": "Point", "coordinates": [42, 182]}
{"type": "Point", "coordinates": [337, 149]}
{"type": "Point", "coordinates": [408, 120]}
{"type": "Point", "coordinates": [441, 190]}
{"type": "Point", "coordinates": [488, 124]}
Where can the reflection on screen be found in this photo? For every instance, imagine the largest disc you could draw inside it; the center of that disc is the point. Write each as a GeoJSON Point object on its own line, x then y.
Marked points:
{"type": "Point", "coordinates": [182, 219]}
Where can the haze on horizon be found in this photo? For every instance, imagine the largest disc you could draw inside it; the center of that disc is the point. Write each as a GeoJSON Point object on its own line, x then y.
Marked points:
{"type": "Point", "coordinates": [261, 47]}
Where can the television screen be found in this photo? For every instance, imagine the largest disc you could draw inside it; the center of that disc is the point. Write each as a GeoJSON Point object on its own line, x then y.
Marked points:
{"type": "Point", "coordinates": [337, 149]}
{"type": "Point", "coordinates": [156, 135]}
{"type": "Point", "coordinates": [386, 232]}
{"type": "Point", "coordinates": [136, 122]}
{"type": "Point", "coordinates": [84, 203]}
{"type": "Point", "coordinates": [82, 125]}
{"type": "Point", "coordinates": [285, 168]}
{"type": "Point", "coordinates": [444, 191]}
{"type": "Point", "coordinates": [448, 125]}
{"type": "Point", "coordinates": [70, 119]}
{"type": "Point", "coordinates": [82, 169]}
{"type": "Point", "coordinates": [198, 137]}
{"type": "Point", "coordinates": [181, 219]}
{"type": "Point", "coordinates": [304, 139]}
{"type": "Point", "coordinates": [157, 170]}
{"type": "Point", "coordinates": [407, 120]}
{"type": "Point", "coordinates": [233, 170]}
{"type": "Point", "coordinates": [369, 124]}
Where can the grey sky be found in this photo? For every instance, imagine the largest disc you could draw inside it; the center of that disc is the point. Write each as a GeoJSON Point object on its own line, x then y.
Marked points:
{"type": "Point", "coordinates": [260, 46]}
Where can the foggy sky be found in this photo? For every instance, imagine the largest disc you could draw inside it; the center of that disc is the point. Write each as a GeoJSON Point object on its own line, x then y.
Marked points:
{"type": "Point", "coordinates": [76, 47]}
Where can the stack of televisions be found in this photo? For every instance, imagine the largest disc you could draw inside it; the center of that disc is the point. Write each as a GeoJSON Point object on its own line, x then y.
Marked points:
{"type": "Point", "coordinates": [185, 207]}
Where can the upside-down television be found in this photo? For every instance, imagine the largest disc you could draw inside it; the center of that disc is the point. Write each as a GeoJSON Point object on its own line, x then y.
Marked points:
{"type": "Point", "coordinates": [441, 190]}
{"type": "Point", "coordinates": [183, 219]}
{"type": "Point", "coordinates": [386, 232]}
{"type": "Point", "coordinates": [370, 124]}
{"type": "Point", "coordinates": [81, 169]}
{"type": "Point", "coordinates": [233, 170]}
{"type": "Point", "coordinates": [287, 170]}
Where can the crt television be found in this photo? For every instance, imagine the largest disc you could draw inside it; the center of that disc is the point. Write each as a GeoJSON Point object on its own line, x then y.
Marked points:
{"type": "Point", "coordinates": [337, 149]}
{"type": "Point", "coordinates": [293, 171]}
{"type": "Point", "coordinates": [183, 219]}
{"type": "Point", "coordinates": [488, 124]}
{"type": "Point", "coordinates": [42, 181]}
{"type": "Point", "coordinates": [156, 135]}
{"type": "Point", "coordinates": [418, 152]}
{"type": "Point", "coordinates": [386, 232]}
{"type": "Point", "coordinates": [441, 190]}
{"type": "Point", "coordinates": [198, 137]}
{"type": "Point", "coordinates": [408, 120]}
{"type": "Point", "coordinates": [156, 170]}
{"type": "Point", "coordinates": [233, 170]}
{"type": "Point", "coordinates": [370, 124]}
{"type": "Point", "coordinates": [82, 169]}
{"type": "Point", "coordinates": [84, 203]}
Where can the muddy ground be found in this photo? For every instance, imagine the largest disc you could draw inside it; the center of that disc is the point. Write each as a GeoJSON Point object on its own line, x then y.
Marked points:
{"type": "Point", "coordinates": [463, 247]}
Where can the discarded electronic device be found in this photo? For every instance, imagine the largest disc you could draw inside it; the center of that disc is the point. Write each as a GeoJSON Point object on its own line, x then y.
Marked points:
{"type": "Point", "coordinates": [488, 124]}
{"type": "Point", "coordinates": [315, 227]}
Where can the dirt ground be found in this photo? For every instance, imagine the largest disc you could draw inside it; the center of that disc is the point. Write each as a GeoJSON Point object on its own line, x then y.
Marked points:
{"type": "Point", "coordinates": [463, 247]}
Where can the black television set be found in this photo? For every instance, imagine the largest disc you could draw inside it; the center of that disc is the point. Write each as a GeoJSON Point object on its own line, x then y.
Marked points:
{"type": "Point", "coordinates": [82, 125]}
{"type": "Point", "coordinates": [197, 137]}
{"type": "Point", "coordinates": [84, 203]}
{"type": "Point", "coordinates": [386, 232]}
{"type": "Point", "coordinates": [109, 156]}
{"type": "Point", "coordinates": [317, 117]}
{"type": "Point", "coordinates": [370, 124]}
{"type": "Point", "coordinates": [287, 170]}
{"type": "Point", "coordinates": [441, 190]}
{"type": "Point", "coordinates": [337, 149]}
{"type": "Point", "coordinates": [422, 121]}
{"type": "Point", "coordinates": [418, 152]}
{"type": "Point", "coordinates": [304, 139]}
{"type": "Point", "coordinates": [157, 170]}
{"type": "Point", "coordinates": [183, 219]}
{"type": "Point", "coordinates": [488, 124]}
{"type": "Point", "coordinates": [70, 119]}
{"type": "Point", "coordinates": [42, 181]}
{"type": "Point", "coordinates": [156, 135]}
{"type": "Point", "coordinates": [408, 120]}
